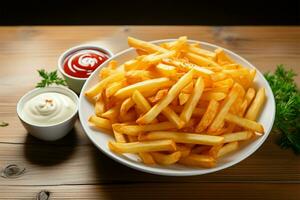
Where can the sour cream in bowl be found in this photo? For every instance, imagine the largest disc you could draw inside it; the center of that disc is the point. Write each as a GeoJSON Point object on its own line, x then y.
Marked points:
{"type": "Point", "coordinates": [48, 113]}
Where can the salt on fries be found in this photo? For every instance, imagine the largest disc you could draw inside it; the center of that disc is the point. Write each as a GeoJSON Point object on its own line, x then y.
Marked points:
{"type": "Point", "coordinates": [177, 103]}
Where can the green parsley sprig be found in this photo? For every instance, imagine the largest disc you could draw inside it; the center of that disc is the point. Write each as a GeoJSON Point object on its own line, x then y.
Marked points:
{"type": "Point", "coordinates": [287, 98]}
{"type": "Point", "coordinates": [49, 78]}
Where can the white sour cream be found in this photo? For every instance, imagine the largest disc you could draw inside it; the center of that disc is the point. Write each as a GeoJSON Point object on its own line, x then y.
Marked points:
{"type": "Point", "coordinates": [48, 109]}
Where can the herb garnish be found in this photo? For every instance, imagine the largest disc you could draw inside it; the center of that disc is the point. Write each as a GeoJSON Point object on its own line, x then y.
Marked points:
{"type": "Point", "coordinates": [49, 78]}
{"type": "Point", "coordinates": [287, 97]}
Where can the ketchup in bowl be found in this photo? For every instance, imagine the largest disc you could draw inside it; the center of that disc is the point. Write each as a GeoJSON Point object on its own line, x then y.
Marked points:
{"type": "Point", "coordinates": [82, 63]}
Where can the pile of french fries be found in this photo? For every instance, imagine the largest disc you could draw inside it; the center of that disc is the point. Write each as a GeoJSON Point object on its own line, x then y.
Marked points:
{"type": "Point", "coordinates": [177, 103]}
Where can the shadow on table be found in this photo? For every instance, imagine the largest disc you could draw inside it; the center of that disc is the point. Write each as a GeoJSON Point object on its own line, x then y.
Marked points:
{"type": "Point", "coordinates": [115, 181]}
{"type": "Point", "coordinates": [50, 153]}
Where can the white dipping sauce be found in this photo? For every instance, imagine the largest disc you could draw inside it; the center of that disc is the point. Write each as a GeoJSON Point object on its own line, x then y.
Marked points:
{"type": "Point", "coordinates": [48, 109]}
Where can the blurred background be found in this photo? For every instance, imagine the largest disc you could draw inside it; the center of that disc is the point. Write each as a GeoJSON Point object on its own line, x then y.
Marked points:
{"type": "Point", "coordinates": [150, 12]}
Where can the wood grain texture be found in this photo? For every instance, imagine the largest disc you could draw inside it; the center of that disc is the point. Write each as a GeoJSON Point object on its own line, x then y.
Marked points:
{"type": "Point", "coordinates": [74, 168]}
{"type": "Point", "coordinates": [232, 191]}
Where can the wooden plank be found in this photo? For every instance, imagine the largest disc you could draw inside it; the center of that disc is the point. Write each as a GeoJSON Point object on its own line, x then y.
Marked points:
{"type": "Point", "coordinates": [73, 164]}
{"type": "Point", "coordinates": [157, 191]}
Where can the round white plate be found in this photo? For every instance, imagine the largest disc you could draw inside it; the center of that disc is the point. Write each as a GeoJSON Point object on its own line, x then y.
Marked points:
{"type": "Point", "coordinates": [100, 139]}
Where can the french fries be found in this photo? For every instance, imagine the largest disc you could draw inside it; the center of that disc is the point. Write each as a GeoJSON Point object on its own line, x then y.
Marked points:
{"type": "Point", "coordinates": [227, 148]}
{"type": "Point", "coordinates": [190, 138]}
{"type": "Point", "coordinates": [100, 122]}
{"type": "Point", "coordinates": [202, 61]}
{"type": "Point", "coordinates": [166, 159]}
{"type": "Point", "coordinates": [135, 130]}
{"type": "Point", "coordinates": [173, 117]}
{"type": "Point", "coordinates": [173, 92]}
{"type": "Point", "coordinates": [166, 70]}
{"type": "Point", "coordinates": [208, 116]}
{"type": "Point", "coordinates": [218, 96]}
{"type": "Point", "coordinates": [256, 105]}
{"type": "Point", "coordinates": [125, 106]}
{"type": "Point", "coordinates": [198, 161]}
{"type": "Point", "coordinates": [186, 66]}
{"type": "Point", "coordinates": [112, 113]}
{"type": "Point", "coordinates": [99, 87]}
{"type": "Point", "coordinates": [147, 158]}
{"type": "Point", "coordinates": [139, 147]}
{"type": "Point", "coordinates": [202, 52]}
{"type": "Point", "coordinates": [183, 98]}
{"type": "Point", "coordinates": [222, 58]}
{"type": "Point", "coordinates": [246, 123]}
{"type": "Point", "coordinates": [143, 86]}
{"type": "Point", "coordinates": [232, 137]}
{"type": "Point", "coordinates": [119, 137]}
{"type": "Point", "coordinates": [159, 95]}
{"type": "Point", "coordinates": [216, 125]}
{"type": "Point", "coordinates": [99, 107]}
{"type": "Point", "coordinates": [177, 103]}
{"type": "Point", "coordinates": [145, 46]}
{"type": "Point", "coordinates": [113, 88]}
{"type": "Point", "coordinates": [192, 101]}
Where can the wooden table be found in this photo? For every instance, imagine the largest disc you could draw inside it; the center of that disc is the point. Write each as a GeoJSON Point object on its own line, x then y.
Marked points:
{"type": "Point", "coordinates": [73, 168]}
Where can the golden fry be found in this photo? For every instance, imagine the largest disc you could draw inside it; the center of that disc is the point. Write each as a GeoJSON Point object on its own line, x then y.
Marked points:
{"type": "Point", "coordinates": [198, 161]}
{"type": "Point", "coordinates": [219, 119]}
{"type": "Point", "coordinates": [192, 101]}
{"type": "Point", "coordinates": [186, 66]}
{"type": "Point", "coordinates": [183, 98]}
{"type": "Point", "coordinates": [100, 122]}
{"type": "Point", "coordinates": [198, 112]}
{"type": "Point", "coordinates": [208, 116]}
{"type": "Point", "coordinates": [135, 76]}
{"type": "Point", "coordinates": [147, 158]}
{"type": "Point", "coordinates": [227, 148]}
{"type": "Point", "coordinates": [135, 130]}
{"type": "Point", "coordinates": [202, 61]}
{"type": "Point", "coordinates": [191, 138]}
{"type": "Point", "coordinates": [189, 88]}
{"type": "Point", "coordinates": [125, 106]}
{"type": "Point", "coordinates": [143, 86]}
{"type": "Point", "coordinates": [222, 58]}
{"type": "Point", "coordinates": [232, 137]}
{"type": "Point", "coordinates": [99, 87]}
{"type": "Point", "coordinates": [173, 92]}
{"type": "Point", "coordinates": [145, 46]}
{"type": "Point", "coordinates": [256, 105]}
{"type": "Point", "coordinates": [119, 137]}
{"type": "Point", "coordinates": [159, 95]}
{"type": "Point", "coordinates": [113, 88]}
{"type": "Point", "coordinates": [246, 123]}
{"type": "Point", "coordinates": [139, 147]}
{"type": "Point", "coordinates": [217, 96]}
{"type": "Point", "coordinates": [173, 117]}
{"type": "Point", "coordinates": [112, 113]}
{"type": "Point", "coordinates": [202, 52]}
{"type": "Point", "coordinates": [166, 159]}
{"type": "Point", "coordinates": [99, 107]}
{"type": "Point", "coordinates": [166, 70]}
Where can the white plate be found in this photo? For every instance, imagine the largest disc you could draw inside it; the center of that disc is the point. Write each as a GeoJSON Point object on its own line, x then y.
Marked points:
{"type": "Point", "coordinates": [100, 139]}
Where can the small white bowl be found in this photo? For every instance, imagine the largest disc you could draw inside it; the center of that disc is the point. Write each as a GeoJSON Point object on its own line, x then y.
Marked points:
{"type": "Point", "coordinates": [75, 83]}
{"type": "Point", "coordinates": [48, 132]}
{"type": "Point", "coordinates": [100, 140]}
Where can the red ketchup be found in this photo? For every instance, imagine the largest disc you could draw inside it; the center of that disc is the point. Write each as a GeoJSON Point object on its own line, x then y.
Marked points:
{"type": "Point", "coordinates": [82, 63]}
